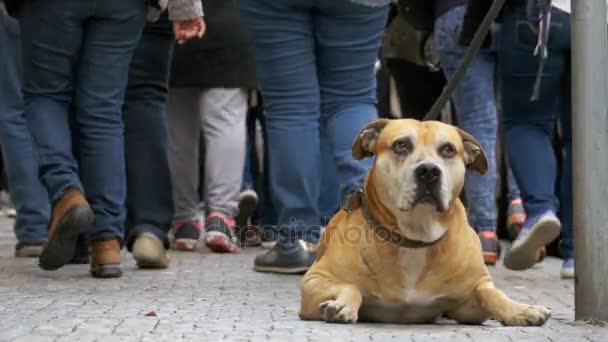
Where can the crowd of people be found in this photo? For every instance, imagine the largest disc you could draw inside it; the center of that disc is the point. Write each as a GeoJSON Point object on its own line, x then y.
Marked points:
{"type": "Point", "coordinates": [171, 123]}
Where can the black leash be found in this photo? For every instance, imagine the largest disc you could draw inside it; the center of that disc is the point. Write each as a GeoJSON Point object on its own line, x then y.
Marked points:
{"type": "Point", "coordinates": [435, 111]}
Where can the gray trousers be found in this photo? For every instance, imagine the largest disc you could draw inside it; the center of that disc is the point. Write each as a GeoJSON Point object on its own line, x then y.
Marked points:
{"type": "Point", "coordinates": [220, 114]}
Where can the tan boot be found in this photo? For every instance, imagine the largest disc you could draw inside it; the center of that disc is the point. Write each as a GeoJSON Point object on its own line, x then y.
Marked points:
{"type": "Point", "coordinates": [105, 259]}
{"type": "Point", "coordinates": [71, 215]}
{"type": "Point", "coordinates": [149, 252]}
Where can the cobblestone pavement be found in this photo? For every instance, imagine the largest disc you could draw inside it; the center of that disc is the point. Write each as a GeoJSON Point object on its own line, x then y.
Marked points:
{"type": "Point", "coordinates": [207, 297]}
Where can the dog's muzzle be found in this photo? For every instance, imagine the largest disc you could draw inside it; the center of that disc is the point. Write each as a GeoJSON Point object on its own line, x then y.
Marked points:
{"type": "Point", "coordinates": [428, 185]}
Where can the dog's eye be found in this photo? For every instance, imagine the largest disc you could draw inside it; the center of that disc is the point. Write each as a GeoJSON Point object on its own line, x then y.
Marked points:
{"type": "Point", "coordinates": [447, 150]}
{"type": "Point", "coordinates": [402, 146]}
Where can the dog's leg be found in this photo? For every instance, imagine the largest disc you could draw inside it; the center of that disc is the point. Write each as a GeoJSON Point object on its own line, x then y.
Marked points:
{"type": "Point", "coordinates": [507, 311]}
{"type": "Point", "coordinates": [325, 300]}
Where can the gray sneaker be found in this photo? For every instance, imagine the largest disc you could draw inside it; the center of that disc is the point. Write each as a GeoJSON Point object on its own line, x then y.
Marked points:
{"type": "Point", "coordinates": [28, 250]}
{"type": "Point", "coordinates": [294, 259]}
{"type": "Point", "coordinates": [537, 232]}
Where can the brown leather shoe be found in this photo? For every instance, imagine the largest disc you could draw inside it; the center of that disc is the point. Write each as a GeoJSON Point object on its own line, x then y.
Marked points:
{"type": "Point", "coordinates": [105, 259]}
{"type": "Point", "coordinates": [71, 215]}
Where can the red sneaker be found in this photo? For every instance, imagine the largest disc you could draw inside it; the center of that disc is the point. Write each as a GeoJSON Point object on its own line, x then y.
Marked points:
{"type": "Point", "coordinates": [187, 235]}
{"type": "Point", "coordinates": [221, 236]}
{"type": "Point", "coordinates": [490, 247]}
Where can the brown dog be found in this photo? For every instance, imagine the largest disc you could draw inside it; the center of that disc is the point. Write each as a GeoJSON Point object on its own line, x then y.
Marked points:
{"type": "Point", "coordinates": [402, 250]}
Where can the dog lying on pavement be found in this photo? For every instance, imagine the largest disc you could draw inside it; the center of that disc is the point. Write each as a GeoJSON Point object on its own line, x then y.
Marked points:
{"type": "Point", "coordinates": [402, 250]}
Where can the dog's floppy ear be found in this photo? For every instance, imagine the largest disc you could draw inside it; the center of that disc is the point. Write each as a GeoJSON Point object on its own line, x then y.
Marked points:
{"type": "Point", "coordinates": [474, 156]}
{"type": "Point", "coordinates": [365, 144]}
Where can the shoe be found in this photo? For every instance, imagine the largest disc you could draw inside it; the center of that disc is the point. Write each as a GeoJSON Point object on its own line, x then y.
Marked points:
{"type": "Point", "coordinates": [149, 252]}
{"type": "Point", "coordinates": [247, 203]}
{"type": "Point", "coordinates": [6, 205]}
{"type": "Point", "coordinates": [71, 216]}
{"type": "Point", "coordinates": [567, 269]}
{"type": "Point", "coordinates": [292, 260]}
{"type": "Point", "coordinates": [81, 255]}
{"type": "Point", "coordinates": [490, 247]}
{"type": "Point", "coordinates": [250, 236]}
{"type": "Point", "coordinates": [105, 259]}
{"type": "Point", "coordinates": [516, 216]}
{"type": "Point", "coordinates": [28, 250]}
{"type": "Point", "coordinates": [536, 233]}
{"type": "Point", "coordinates": [270, 235]}
{"type": "Point", "coordinates": [221, 237]}
{"type": "Point", "coordinates": [187, 235]}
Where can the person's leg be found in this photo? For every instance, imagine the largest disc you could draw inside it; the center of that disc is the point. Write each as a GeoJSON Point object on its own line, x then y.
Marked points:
{"type": "Point", "coordinates": [347, 39]}
{"type": "Point", "coordinates": [111, 36]}
{"type": "Point", "coordinates": [249, 232]}
{"type": "Point", "coordinates": [529, 126]}
{"type": "Point", "coordinates": [476, 111]}
{"type": "Point", "coordinates": [329, 198]}
{"type": "Point", "coordinates": [48, 87]}
{"type": "Point", "coordinates": [149, 197]}
{"type": "Point", "coordinates": [184, 154]}
{"type": "Point", "coordinates": [223, 112]}
{"type": "Point", "coordinates": [52, 34]}
{"type": "Point", "coordinates": [27, 193]}
{"type": "Point", "coordinates": [284, 46]}
{"type": "Point", "coordinates": [566, 205]}
{"type": "Point", "coordinates": [282, 34]}
{"type": "Point", "coordinates": [516, 214]}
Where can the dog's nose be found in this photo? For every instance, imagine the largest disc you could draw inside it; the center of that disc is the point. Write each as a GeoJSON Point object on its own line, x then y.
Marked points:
{"type": "Point", "coordinates": [427, 173]}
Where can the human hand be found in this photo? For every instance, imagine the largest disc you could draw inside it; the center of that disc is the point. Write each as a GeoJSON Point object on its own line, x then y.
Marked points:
{"type": "Point", "coordinates": [188, 29]}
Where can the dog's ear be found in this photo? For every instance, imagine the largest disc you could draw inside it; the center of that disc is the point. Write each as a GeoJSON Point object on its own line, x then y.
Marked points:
{"type": "Point", "coordinates": [474, 156]}
{"type": "Point", "coordinates": [365, 144]}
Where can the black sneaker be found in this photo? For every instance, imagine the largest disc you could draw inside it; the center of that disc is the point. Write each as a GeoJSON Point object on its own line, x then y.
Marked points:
{"type": "Point", "coordinates": [293, 260]}
{"type": "Point", "coordinates": [221, 236]}
{"type": "Point", "coordinates": [28, 250]}
{"type": "Point", "coordinates": [247, 203]}
{"type": "Point", "coordinates": [186, 235]}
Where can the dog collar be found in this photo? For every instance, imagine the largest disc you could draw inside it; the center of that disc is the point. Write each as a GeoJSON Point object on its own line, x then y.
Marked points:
{"type": "Point", "coordinates": [357, 200]}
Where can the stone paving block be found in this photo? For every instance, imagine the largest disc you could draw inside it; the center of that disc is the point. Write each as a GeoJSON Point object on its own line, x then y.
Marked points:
{"type": "Point", "coordinates": [34, 338]}
{"type": "Point", "coordinates": [136, 326]}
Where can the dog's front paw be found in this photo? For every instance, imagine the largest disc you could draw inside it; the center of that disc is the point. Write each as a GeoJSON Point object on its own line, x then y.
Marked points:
{"type": "Point", "coordinates": [337, 312]}
{"type": "Point", "coordinates": [528, 315]}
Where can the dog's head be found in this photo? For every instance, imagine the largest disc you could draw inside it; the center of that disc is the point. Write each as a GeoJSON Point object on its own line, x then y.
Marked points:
{"type": "Point", "coordinates": [419, 169]}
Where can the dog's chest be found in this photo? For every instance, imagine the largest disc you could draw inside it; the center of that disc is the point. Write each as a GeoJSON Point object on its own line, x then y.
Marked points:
{"type": "Point", "coordinates": [405, 303]}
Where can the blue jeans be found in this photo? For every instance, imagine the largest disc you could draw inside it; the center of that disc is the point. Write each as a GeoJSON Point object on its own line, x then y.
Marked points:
{"type": "Point", "coordinates": [476, 110]}
{"type": "Point", "coordinates": [529, 125]}
{"type": "Point", "coordinates": [149, 193]}
{"type": "Point", "coordinates": [316, 72]}
{"type": "Point", "coordinates": [27, 193]}
{"type": "Point", "coordinates": [76, 56]}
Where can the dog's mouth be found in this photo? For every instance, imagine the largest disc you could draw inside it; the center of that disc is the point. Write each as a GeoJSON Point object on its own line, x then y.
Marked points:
{"type": "Point", "coordinates": [428, 197]}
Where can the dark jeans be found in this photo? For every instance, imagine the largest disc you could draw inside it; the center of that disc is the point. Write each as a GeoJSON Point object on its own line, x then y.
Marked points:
{"type": "Point", "coordinates": [76, 56]}
{"type": "Point", "coordinates": [27, 193]}
{"type": "Point", "coordinates": [149, 194]}
{"type": "Point", "coordinates": [265, 216]}
{"type": "Point", "coordinates": [316, 71]}
{"type": "Point", "coordinates": [529, 125]}
{"type": "Point", "coordinates": [476, 111]}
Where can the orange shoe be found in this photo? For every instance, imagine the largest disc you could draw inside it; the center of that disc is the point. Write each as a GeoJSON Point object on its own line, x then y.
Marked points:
{"type": "Point", "coordinates": [71, 216]}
